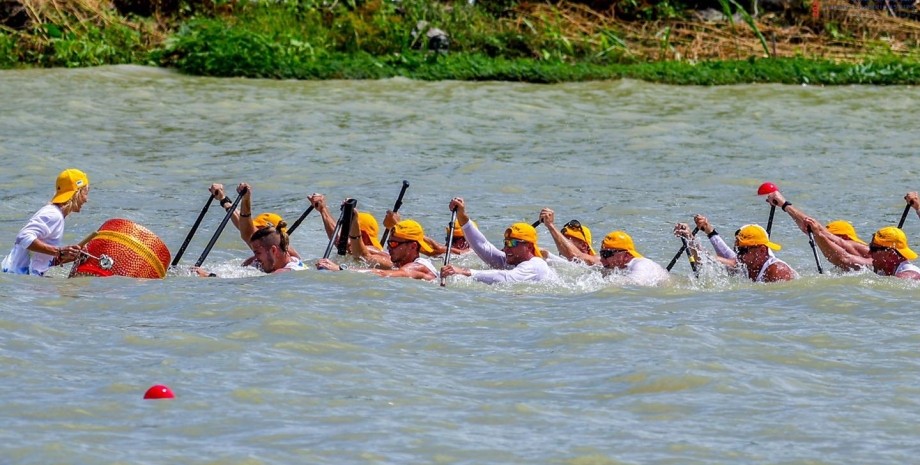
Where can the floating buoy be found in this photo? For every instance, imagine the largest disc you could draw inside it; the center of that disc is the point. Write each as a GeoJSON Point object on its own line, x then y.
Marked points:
{"type": "Point", "coordinates": [123, 248]}
{"type": "Point", "coordinates": [159, 391]}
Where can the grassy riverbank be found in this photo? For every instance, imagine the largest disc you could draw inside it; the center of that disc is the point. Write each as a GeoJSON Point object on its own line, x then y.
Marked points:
{"type": "Point", "coordinates": [423, 39]}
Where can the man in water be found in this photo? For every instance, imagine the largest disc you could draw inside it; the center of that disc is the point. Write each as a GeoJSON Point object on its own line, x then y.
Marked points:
{"type": "Point", "coordinates": [242, 218]}
{"type": "Point", "coordinates": [362, 242]}
{"type": "Point", "coordinates": [270, 247]}
{"type": "Point", "coordinates": [38, 245]}
{"type": "Point", "coordinates": [520, 260]}
{"type": "Point", "coordinates": [405, 243]}
{"type": "Point", "coordinates": [891, 256]}
{"type": "Point", "coordinates": [573, 241]}
{"type": "Point", "coordinates": [619, 252]}
{"type": "Point", "coordinates": [753, 249]}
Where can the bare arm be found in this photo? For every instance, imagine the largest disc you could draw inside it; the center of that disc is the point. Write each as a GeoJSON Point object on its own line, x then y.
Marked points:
{"type": "Point", "coordinates": [833, 248]}
{"type": "Point", "coordinates": [565, 246]}
{"type": "Point", "coordinates": [410, 270]}
{"type": "Point", "coordinates": [319, 204]}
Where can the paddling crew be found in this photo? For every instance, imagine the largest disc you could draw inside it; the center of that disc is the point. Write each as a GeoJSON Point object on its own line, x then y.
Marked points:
{"type": "Point", "coordinates": [363, 226]}
{"type": "Point", "coordinates": [753, 249]}
{"type": "Point", "coordinates": [270, 247]}
{"type": "Point", "coordinates": [891, 256]}
{"type": "Point", "coordinates": [242, 218]}
{"type": "Point", "coordinates": [573, 241]}
{"type": "Point", "coordinates": [838, 241]}
{"type": "Point", "coordinates": [619, 252]}
{"type": "Point", "coordinates": [38, 245]}
{"type": "Point", "coordinates": [405, 243]}
{"type": "Point", "coordinates": [520, 253]}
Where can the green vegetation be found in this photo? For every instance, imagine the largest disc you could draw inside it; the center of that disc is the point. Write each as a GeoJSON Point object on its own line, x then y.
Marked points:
{"type": "Point", "coordinates": [430, 40]}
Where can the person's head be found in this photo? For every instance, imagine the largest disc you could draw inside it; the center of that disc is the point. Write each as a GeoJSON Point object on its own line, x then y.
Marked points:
{"type": "Point", "coordinates": [753, 245]}
{"type": "Point", "coordinates": [71, 190]}
{"type": "Point", "coordinates": [888, 249]}
{"type": "Point", "coordinates": [520, 244]}
{"type": "Point", "coordinates": [617, 250]}
{"type": "Point", "coordinates": [844, 230]}
{"type": "Point", "coordinates": [459, 238]}
{"type": "Point", "coordinates": [270, 247]}
{"type": "Point", "coordinates": [265, 220]}
{"type": "Point", "coordinates": [580, 235]}
{"type": "Point", "coordinates": [405, 242]}
{"type": "Point", "coordinates": [369, 229]}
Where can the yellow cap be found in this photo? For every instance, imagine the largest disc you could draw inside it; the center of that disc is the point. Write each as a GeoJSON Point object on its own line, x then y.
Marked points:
{"type": "Point", "coordinates": [368, 224]}
{"type": "Point", "coordinates": [265, 220]}
{"type": "Point", "coordinates": [621, 241]}
{"type": "Point", "coordinates": [68, 182]}
{"type": "Point", "coordinates": [844, 228]}
{"type": "Point", "coordinates": [894, 238]}
{"type": "Point", "coordinates": [526, 233]}
{"type": "Point", "coordinates": [412, 231]}
{"type": "Point", "coordinates": [580, 231]}
{"type": "Point", "coordinates": [753, 234]}
{"type": "Point", "coordinates": [458, 231]}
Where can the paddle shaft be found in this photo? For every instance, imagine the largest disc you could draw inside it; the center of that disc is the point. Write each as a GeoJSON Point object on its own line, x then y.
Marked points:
{"type": "Point", "coordinates": [348, 211]}
{"type": "Point", "coordinates": [904, 216]}
{"type": "Point", "coordinates": [338, 226]}
{"type": "Point", "coordinates": [192, 232]}
{"type": "Point", "coordinates": [814, 250]}
{"type": "Point", "coordinates": [300, 220]}
{"type": "Point", "coordinates": [536, 223]}
{"type": "Point", "coordinates": [220, 229]}
{"type": "Point", "coordinates": [682, 249]}
{"type": "Point", "coordinates": [770, 219]}
{"type": "Point", "coordinates": [450, 242]}
{"type": "Point", "coordinates": [402, 192]}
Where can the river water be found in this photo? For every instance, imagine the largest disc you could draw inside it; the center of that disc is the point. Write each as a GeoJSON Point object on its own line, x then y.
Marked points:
{"type": "Point", "coordinates": [347, 368]}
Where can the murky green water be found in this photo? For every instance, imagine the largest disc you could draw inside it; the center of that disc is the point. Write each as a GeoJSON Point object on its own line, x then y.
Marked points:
{"type": "Point", "coordinates": [340, 368]}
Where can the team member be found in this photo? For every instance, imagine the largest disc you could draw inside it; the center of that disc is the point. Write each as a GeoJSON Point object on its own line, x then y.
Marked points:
{"type": "Point", "coordinates": [573, 241]}
{"type": "Point", "coordinates": [38, 245]}
{"type": "Point", "coordinates": [270, 247]}
{"type": "Point", "coordinates": [520, 253]}
{"type": "Point", "coordinates": [891, 256]}
{"type": "Point", "coordinates": [242, 218]}
{"type": "Point", "coordinates": [753, 249]}
{"type": "Point", "coordinates": [404, 244]}
{"type": "Point", "coordinates": [838, 241]}
{"type": "Point", "coordinates": [619, 252]}
{"type": "Point", "coordinates": [459, 246]}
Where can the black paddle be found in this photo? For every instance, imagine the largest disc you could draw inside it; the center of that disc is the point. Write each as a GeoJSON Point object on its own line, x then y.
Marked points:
{"type": "Point", "coordinates": [811, 242]}
{"type": "Point", "coordinates": [450, 242]}
{"type": "Point", "coordinates": [396, 206]}
{"type": "Point", "coordinates": [349, 212]}
{"type": "Point", "coordinates": [904, 216]}
{"type": "Point", "coordinates": [764, 189]}
{"type": "Point", "coordinates": [536, 223]}
{"type": "Point", "coordinates": [220, 229]}
{"type": "Point", "coordinates": [192, 232]}
{"type": "Point", "coordinates": [338, 225]}
{"type": "Point", "coordinates": [300, 220]}
{"type": "Point", "coordinates": [682, 249]}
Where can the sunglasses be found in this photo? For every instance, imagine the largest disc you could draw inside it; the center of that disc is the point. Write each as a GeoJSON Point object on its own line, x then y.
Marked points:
{"type": "Point", "coordinates": [395, 244]}
{"type": "Point", "coordinates": [607, 253]}
{"type": "Point", "coordinates": [742, 250]}
{"type": "Point", "coordinates": [513, 242]}
{"type": "Point", "coordinates": [878, 248]}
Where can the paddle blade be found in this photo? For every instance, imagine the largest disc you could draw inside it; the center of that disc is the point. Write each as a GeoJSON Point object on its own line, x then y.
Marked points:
{"type": "Point", "coordinates": [767, 188]}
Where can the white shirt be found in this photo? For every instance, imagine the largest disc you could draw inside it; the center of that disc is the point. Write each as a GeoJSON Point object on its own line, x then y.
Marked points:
{"type": "Point", "coordinates": [533, 270]}
{"type": "Point", "coordinates": [646, 272]}
{"type": "Point", "coordinates": [46, 224]}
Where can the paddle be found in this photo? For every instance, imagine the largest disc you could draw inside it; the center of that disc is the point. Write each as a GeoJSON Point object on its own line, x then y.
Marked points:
{"type": "Point", "coordinates": [338, 225]}
{"type": "Point", "coordinates": [450, 242]}
{"type": "Point", "coordinates": [300, 220]}
{"type": "Point", "coordinates": [764, 189]}
{"type": "Point", "coordinates": [220, 229]}
{"type": "Point", "coordinates": [904, 216]}
{"type": "Point", "coordinates": [396, 206]}
{"type": "Point", "coordinates": [349, 210]}
{"type": "Point", "coordinates": [192, 232]}
{"type": "Point", "coordinates": [684, 247]}
{"type": "Point", "coordinates": [536, 223]}
{"type": "Point", "coordinates": [811, 242]}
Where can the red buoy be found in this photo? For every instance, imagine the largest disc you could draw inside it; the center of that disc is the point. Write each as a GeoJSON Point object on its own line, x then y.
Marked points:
{"type": "Point", "coordinates": [159, 391]}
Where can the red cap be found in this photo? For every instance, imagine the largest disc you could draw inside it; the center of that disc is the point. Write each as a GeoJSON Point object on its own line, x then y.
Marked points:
{"type": "Point", "coordinates": [767, 188]}
{"type": "Point", "coordinates": [159, 391]}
